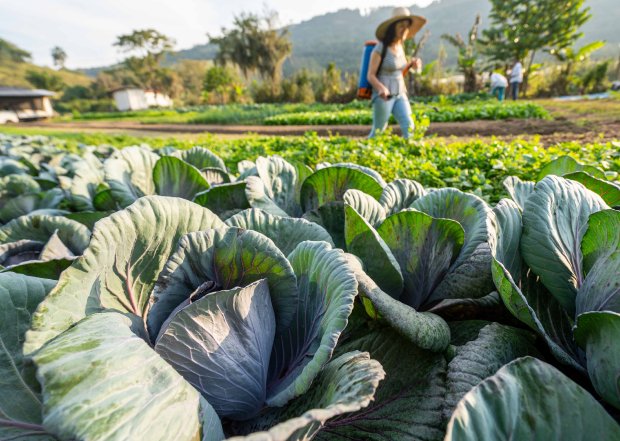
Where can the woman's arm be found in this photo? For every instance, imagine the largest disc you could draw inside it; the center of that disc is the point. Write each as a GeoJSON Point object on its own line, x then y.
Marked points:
{"type": "Point", "coordinates": [375, 59]}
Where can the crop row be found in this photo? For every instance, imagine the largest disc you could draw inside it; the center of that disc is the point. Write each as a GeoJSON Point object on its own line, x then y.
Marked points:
{"type": "Point", "coordinates": [156, 294]}
{"type": "Point", "coordinates": [475, 166]}
{"type": "Point", "coordinates": [446, 113]}
{"type": "Point", "coordinates": [357, 112]}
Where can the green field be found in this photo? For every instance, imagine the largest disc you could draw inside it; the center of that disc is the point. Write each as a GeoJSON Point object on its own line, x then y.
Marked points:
{"type": "Point", "coordinates": [475, 166]}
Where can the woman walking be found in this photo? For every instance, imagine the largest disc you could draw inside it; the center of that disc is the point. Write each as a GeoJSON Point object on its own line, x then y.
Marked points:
{"type": "Point", "coordinates": [388, 63]}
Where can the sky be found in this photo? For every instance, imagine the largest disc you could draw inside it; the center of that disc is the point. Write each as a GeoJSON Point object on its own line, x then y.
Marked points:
{"type": "Point", "coordinates": [86, 29]}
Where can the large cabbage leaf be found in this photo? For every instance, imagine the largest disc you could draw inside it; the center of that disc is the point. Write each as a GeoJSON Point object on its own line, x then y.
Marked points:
{"type": "Point", "coordinates": [346, 384]}
{"type": "Point", "coordinates": [225, 199]}
{"type": "Point", "coordinates": [518, 190]}
{"type": "Point", "coordinates": [425, 248]}
{"type": "Point", "coordinates": [601, 264]}
{"type": "Point", "coordinates": [330, 184]}
{"type": "Point", "coordinates": [41, 228]}
{"type": "Point", "coordinates": [469, 275]}
{"type": "Point", "coordinates": [400, 194]}
{"type": "Point", "coordinates": [132, 392]}
{"type": "Point", "coordinates": [529, 399]}
{"type": "Point", "coordinates": [275, 188]}
{"type": "Point", "coordinates": [379, 262]}
{"type": "Point", "coordinates": [228, 257]}
{"type": "Point", "coordinates": [285, 232]}
{"type": "Point", "coordinates": [565, 165]}
{"type": "Point", "coordinates": [119, 268]}
{"type": "Point", "coordinates": [598, 333]}
{"type": "Point", "coordinates": [424, 329]}
{"type": "Point", "coordinates": [327, 288]}
{"type": "Point", "coordinates": [20, 406]}
{"type": "Point", "coordinates": [422, 388]}
{"type": "Point", "coordinates": [608, 191]}
{"type": "Point", "coordinates": [200, 158]}
{"type": "Point", "coordinates": [555, 220]}
{"type": "Point", "coordinates": [221, 345]}
{"type": "Point", "coordinates": [174, 177]}
{"type": "Point", "coordinates": [129, 173]}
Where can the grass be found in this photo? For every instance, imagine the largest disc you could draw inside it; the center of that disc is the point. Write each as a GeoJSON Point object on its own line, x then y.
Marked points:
{"type": "Point", "coordinates": [475, 166]}
{"type": "Point", "coordinates": [584, 112]}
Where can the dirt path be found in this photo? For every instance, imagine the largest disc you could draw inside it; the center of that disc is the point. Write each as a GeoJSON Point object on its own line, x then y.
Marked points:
{"type": "Point", "coordinates": [550, 131]}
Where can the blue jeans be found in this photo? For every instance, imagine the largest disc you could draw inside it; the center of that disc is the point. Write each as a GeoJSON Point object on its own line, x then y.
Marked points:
{"type": "Point", "coordinates": [382, 109]}
{"type": "Point", "coordinates": [514, 86]}
{"type": "Point", "coordinates": [499, 93]}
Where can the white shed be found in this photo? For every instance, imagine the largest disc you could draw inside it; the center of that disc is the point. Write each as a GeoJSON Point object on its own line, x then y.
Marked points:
{"type": "Point", "coordinates": [25, 104]}
{"type": "Point", "coordinates": [132, 98]}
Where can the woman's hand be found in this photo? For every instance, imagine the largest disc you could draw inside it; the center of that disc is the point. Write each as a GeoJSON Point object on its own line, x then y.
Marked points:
{"type": "Point", "coordinates": [383, 92]}
{"type": "Point", "coordinates": [416, 64]}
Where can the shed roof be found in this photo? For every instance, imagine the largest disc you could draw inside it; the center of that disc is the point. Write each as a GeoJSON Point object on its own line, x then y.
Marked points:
{"type": "Point", "coordinates": [16, 92]}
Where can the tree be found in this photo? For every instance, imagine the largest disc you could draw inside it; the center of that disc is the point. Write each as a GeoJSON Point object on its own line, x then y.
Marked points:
{"type": "Point", "coordinates": [255, 45]}
{"type": "Point", "coordinates": [521, 28]}
{"type": "Point", "coordinates": [331, 83]}
{"type": "Point", "coordinates": [298, 88]}
{"type": "Point", "coordinates": [192, 75]}
{"type": "Point", "coordinates": [148, 48]}
{"type": "Point", "coordinates": [570, 58]}
{"type": "Point", "coordinates": [221, 85]}
{"type": "Point", "coordinates": [111, 79]}
{"type": "Point", "coordinates": [45, 80]}
{"type": "Point", "coordinates": [467, 55]}
{"type": "Point", "coordinates": [59, 57]}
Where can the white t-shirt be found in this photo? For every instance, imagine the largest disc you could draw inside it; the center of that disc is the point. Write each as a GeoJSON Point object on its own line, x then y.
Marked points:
{"type": "Point", "coordinates": [498, 80]}
{"type": "Point", "coordinates": [516, 76]}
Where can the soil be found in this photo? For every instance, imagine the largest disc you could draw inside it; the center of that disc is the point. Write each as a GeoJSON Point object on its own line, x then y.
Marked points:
{"type": "Point", "coordinates": [549, 131]}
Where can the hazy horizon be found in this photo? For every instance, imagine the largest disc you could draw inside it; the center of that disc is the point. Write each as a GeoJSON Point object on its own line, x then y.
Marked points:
{"type": "Point", "coordinates": [87, 30]}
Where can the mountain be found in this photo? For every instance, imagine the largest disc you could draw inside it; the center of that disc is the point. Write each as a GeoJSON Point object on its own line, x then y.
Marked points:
{"type": "Point", "coordinates": [339, 36]}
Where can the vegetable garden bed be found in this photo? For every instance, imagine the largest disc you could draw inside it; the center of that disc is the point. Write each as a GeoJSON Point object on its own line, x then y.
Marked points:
{"type": "Point", "coordinates": [445, 113]}
{"type": "Point", "coordinates": [357, 112]}
{"type": "Point", "coordinates": [230, 293]}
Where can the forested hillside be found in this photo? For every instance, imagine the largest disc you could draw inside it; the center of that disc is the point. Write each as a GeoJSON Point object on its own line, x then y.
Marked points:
{"type": "Point", "coordinates": [339, 36]}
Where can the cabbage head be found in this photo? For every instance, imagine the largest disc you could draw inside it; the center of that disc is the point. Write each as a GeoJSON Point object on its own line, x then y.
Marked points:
{"type": "Point", "coordinates": [174, 325]}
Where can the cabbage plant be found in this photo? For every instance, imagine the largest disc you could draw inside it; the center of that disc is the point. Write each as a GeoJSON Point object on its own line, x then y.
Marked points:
{"type": "Point", "coordinates": [138, 171]}
{"type": "Point", "coordinates": [198, 329]}
{"type": "Point", "coordinates": [425, 252]}
{"type": "Point", "coordinates": [564, 282]}
{"type": "Point", "coordinates": [41, 245]}
{"type": "Point", "coordinates": [593, 178]}
{"type": "Point", "coordinates": [286, 189]}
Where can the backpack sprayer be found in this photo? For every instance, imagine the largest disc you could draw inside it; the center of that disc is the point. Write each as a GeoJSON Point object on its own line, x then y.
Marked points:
{"type": "Point", "coordinates": [364, 88]}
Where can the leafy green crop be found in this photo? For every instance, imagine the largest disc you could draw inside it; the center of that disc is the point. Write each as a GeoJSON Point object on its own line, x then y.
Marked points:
{"type": "Point", "coordinates": [441, 113]}
{"type": "Point", "coordinates": [440, 109]}
{"type": "Point", "coordinates": [478, 167]}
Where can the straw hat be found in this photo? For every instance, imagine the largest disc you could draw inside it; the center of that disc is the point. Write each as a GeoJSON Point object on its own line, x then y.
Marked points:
{"type": "Point", "coordinates": [401, 14]}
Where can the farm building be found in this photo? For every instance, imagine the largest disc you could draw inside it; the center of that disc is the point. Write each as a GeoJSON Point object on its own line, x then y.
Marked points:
{"type": "Point", "coordinates": [131, 98]}
{"type": "Point", "coordinates": [18, 104]}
